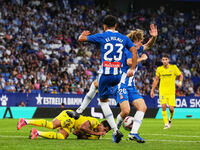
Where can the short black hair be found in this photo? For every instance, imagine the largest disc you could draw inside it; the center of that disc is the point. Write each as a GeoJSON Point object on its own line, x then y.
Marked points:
{"type": "Point", "coordinates": [110, 20]}
{"type": "Point", "coordinates": [106, 124]}
{"type": "Point", "coordinates": [165, 55]}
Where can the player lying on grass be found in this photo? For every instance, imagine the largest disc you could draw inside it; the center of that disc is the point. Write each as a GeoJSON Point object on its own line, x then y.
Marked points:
{"type": "Point", "coordinates": [85, 127]}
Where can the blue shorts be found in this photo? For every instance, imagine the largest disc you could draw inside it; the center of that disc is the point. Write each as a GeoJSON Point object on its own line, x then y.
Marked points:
{"type": "Point", "coordinates": [106, 84]}
{"type": "Point", "coordinates": [127, 93]}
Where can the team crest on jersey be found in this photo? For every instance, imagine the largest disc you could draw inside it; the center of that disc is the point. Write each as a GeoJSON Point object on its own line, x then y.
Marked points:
{"type": "Point", "coordinates": [121, 96]}
{"type": "Point", "coordinates": [67, 122]}
{"type": "Point", "coordinates": [170, 71]}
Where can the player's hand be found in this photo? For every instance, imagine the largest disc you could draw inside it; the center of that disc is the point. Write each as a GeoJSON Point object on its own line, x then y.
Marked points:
{"type": "Point", "coordinates": [130, 72]}
{"type": "Point", "coordinates": [152, 94]}
{"type": "Point", "coordinates": [76, 132]}
{"type": "Point", "coordinates": [85, 33]}
{"type": "Point", "coordinates": [102, 133]}
{"type": "Point", "coordinates": [180, 84]}
{"type": "Point", "coordinates": [144, 57]}
{"type": "Point", "coordinates": [153, 30]}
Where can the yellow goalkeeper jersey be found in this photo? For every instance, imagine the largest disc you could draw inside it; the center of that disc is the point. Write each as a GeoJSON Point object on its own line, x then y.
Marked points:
{"type": "Point", "coordinates": [167, 79]}
{"type": "Point", "coordinates": [93, 122]}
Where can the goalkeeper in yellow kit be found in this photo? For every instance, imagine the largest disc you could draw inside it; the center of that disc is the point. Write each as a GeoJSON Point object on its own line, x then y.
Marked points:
{"type": "Point", "coordinates": [84, 127]}
{"type": "Point", "coordinates": [167, 74]}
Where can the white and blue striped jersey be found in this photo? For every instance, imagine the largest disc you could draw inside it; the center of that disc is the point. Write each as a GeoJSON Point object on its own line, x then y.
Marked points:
{"type": "Point", "coordinates": [112, 45]}
{"type": "Point", "coordinates": [129, 81]}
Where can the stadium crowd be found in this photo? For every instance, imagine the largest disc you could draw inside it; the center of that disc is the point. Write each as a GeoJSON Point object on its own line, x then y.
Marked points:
{"type": "Point", "coordinates": [39, 51]}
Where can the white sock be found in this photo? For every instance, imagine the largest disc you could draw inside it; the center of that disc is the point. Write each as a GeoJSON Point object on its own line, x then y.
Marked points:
{"type": "Point", "coordinates": [38, 132]}
{"type": "Point", "coordinates": [139, 115]}
{"type": "Point", "coordinates": [109, 116]}
{"type": "Point", "coordinates": [119, 121]}
{"type": "Point", "coordinates": [26, 121]}
{"type": "Point", "coordinates": [87, 99]}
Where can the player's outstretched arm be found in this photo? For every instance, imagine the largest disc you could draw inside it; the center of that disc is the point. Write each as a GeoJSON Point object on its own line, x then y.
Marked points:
{"type": "Point", "coordinates": [80, 135]}
{"type": "Point", "coordinates": [83, 36]}
{"type": "Point", "coordinates": [85, 127]}
{"type": "Point", "coordinates": [155, 83]}
{"type": "Point", "coordinates": [154, 33]}
{"type": "Point", "coordinates": [142, 58]}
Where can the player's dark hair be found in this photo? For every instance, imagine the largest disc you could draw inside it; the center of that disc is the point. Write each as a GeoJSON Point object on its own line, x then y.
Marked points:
{"type": "Point", "coordinates": [165, 55]}
{"type": "Point", "coordinates": [110, 20]}
{"type": "Point", "coordinates": [106, 124]}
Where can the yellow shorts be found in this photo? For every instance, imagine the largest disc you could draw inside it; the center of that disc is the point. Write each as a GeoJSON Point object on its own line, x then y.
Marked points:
{"type": "Point", "coordinates": [67, 123]}
{"type": "Point", "coordinates": [168, 99]}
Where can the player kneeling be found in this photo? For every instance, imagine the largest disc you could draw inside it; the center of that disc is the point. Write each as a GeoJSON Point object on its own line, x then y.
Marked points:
{"type": "Point", "coordinates": [64, 122]}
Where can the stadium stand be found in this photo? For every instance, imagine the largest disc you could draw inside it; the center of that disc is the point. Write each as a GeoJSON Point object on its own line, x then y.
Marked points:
{"type": "Point", "coordinates": [39, 50]}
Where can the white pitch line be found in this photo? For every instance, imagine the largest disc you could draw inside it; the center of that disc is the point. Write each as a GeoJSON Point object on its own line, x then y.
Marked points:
{"type": "Point", "coordinates": [11, 131]}
{"type": "Point", "coordinates": [5, 136]}
{"type": "Point", "coordinates": [12, 136]}
{"type": "Point", "coordinates": [174, 135]}
{"type": "Point", "coordinates": [173, 141]}
{"type": "Point", "coordinates": [162, 140]}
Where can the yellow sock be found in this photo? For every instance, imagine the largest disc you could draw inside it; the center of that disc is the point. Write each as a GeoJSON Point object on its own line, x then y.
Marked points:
{"type": "Point", "coordinates": [41, 123]}
{"type": "Point", "coordinates": [164, 114]}
{"type": "Point", "coordinates": [51, 135]}
{"type": "Point", "coordinates": [171, 114]}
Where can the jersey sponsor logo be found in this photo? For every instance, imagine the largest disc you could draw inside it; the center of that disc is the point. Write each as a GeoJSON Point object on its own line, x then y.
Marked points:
{"type": "Point", "coordinates": [112, 64]}
{"type": "Point", "coordinates": [166, 74]}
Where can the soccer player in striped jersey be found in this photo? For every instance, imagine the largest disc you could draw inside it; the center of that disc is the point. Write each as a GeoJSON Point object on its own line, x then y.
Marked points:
{"type": "Point", "coordinates": [127, 93]}
{"type": "Point", "coordinates": [112, 45]}
{"type": "Point", "coordinates": [167, 74]}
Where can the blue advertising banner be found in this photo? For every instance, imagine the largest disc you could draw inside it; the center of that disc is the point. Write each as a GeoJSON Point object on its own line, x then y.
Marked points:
{"type": "Point", "coordinates": [182, 113]}
{"type": "Point", "coordinates": [75, 100]}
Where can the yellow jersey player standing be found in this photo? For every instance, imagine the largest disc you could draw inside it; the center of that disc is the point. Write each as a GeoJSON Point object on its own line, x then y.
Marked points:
{"type": "Point", "coordinates": [167, 74]}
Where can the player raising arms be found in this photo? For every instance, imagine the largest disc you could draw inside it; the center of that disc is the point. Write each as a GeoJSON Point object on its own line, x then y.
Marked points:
{"type": "Point", "coordinates": [112, 45]}
{"type": "Point", "coordinates": [85, 127]}
{"type": "Point", "coordinates": [167, 74]}
{"type": "Point", "coordinates": [127, 93]}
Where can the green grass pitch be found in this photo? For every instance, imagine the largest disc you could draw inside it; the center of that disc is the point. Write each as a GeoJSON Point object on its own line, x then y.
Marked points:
{"type": "Point", "coordinates": [184, 135]}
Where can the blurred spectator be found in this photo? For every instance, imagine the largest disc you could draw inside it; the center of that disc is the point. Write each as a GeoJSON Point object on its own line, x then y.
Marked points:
{"type": "Point", "coordinates": [62, 105]}
{"type": "Point", "coordinates": [22, 104]}
{"type": "Point", "coordinates": [197, 92]}
{"type": "Point", "coordinates": [54, 91]}
{"type": "Point", "coordinates": [39, 50]}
